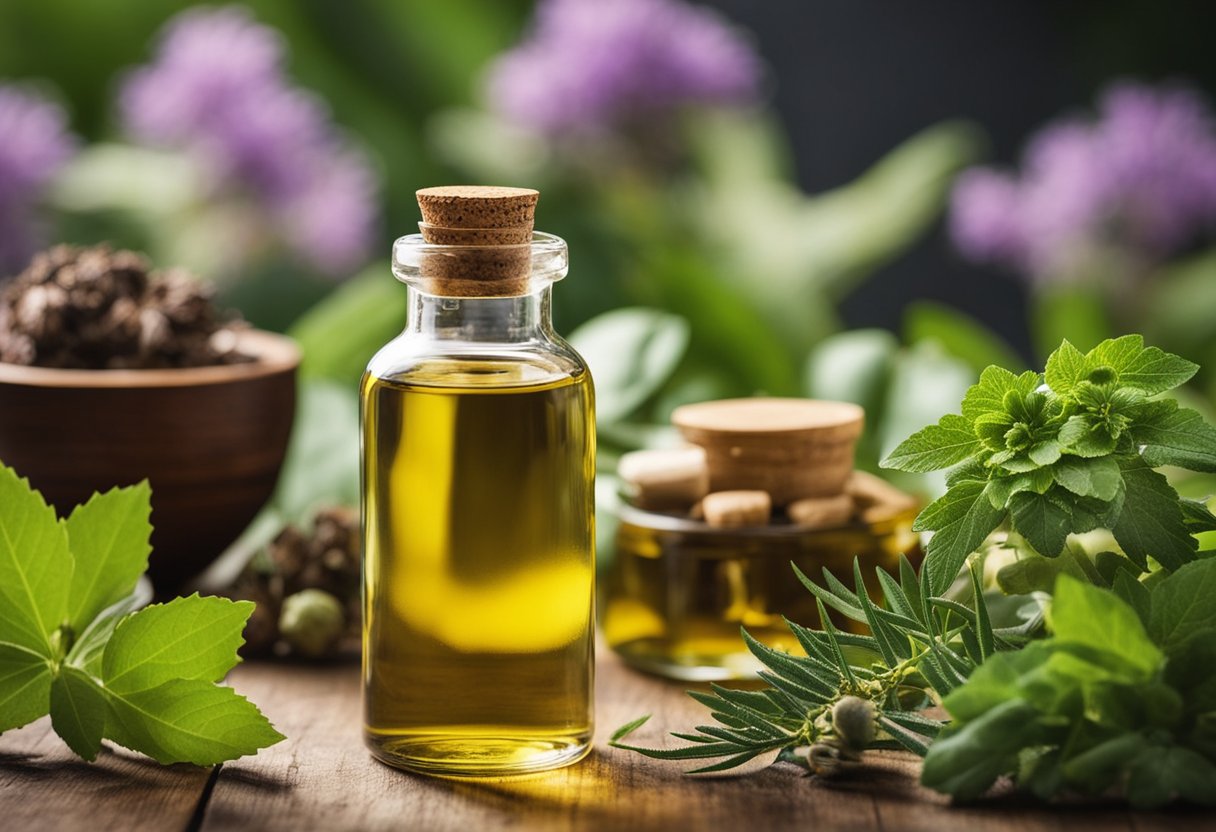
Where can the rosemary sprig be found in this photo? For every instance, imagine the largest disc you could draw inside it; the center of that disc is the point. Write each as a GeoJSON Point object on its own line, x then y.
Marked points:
{"type": "Point", "coordinates": [921, 647]}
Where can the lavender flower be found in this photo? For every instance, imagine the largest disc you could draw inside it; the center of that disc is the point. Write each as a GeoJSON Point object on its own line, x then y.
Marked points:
{"type": "Point", "coordinates": [34, 144]}
{"type": "Point", "coordinates": [1140, 179]}
{"type": "Point", "coordinates": [217, 87]}
{"type": "Point", "coordinates": [589, 65]}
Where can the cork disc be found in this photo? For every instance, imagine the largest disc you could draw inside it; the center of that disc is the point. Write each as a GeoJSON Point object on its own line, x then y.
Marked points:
{"type": "Point", "coordinates": [478, 206]}
{"type": "Point", "coordinates": [773, 418]}
{"type": "Point", "coordinates": [791, 448]}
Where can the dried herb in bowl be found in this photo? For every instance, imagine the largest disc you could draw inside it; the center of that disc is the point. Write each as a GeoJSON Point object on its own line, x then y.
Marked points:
{"type": "Point", "coordinates": [99, 309]}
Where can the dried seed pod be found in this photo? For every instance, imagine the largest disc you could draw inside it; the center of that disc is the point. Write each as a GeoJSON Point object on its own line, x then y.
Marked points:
{"type": "Point", "coordinates": [312, 621]}
{"type": "Point", "coordinates": [853, 721]}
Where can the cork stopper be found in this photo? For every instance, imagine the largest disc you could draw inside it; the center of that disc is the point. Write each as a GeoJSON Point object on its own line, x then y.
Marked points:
{"type": "Point", "coordinates": [790, 448]}
{"type": "Point", "coordinates": [490, 229]}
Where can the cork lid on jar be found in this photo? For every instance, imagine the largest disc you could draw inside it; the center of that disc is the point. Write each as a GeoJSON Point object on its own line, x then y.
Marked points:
{"type": "Point", "coordinates": [488, 232]}
{"type": "Point", "coordinates": [791, 448]}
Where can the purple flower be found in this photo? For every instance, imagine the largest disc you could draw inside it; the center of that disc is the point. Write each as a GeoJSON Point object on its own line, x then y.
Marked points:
{"type": "Point", "coordinates": [217, 87]}
{"type": "Point", "coordinates": [1140, 178]}
{"type": "Point", "coordinates": [589, 65]}
{"type": "Point", "coordinates": [34, 144]}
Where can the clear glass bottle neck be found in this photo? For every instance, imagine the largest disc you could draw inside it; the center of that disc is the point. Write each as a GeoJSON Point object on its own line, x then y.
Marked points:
{"type": "Point", "coordinates": [498, 320]}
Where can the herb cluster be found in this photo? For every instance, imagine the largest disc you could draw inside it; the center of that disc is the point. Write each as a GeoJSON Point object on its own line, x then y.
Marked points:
{"type": "Point", "coordinates": [1069, 456]}
{"type": "Point", "coordinates": [1119, 695]}
{"type": "Point", "coordinates": [73, 645]}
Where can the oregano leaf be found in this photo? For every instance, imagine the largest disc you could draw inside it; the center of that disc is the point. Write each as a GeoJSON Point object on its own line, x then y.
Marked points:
{"type": "Point", "coordinates": [188, 721]}
{"type": "Point", "coordinates": [25, 686]}
{"type": "Point", "coordinates": [934, 447]}
{"type": "Point", "coordinates": [78, 711]}
{"type": "Point", "coordinates": [1065, 368]}
{"type": "Point", "coordinates": [960, 520]}
{"type": "Point", "coordinates": [188, 638]}
{"type": "Point", "coordinates": [1043, 521]}
{"type": "Point", "coordinates": [35, 567]}
{"type": "Point", "coordinates": [109, 538]}
{"type": "Point", "coordinates": [1151, 523]}
{"type": "Point", "coordinates": [1181, 438]}
{"type": "Point", "coordinates": [1098, 477]}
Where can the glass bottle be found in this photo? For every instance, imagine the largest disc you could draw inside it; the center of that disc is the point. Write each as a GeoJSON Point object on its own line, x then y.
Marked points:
{"type": "Point", "coordinates": [478, 498]}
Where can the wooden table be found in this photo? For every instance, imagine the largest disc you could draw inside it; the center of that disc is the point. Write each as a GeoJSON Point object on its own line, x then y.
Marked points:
{"type": "Point", "coordinates": [322, 778]}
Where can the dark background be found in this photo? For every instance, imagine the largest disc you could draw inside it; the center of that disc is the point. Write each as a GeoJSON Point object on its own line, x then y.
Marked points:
{"type": "Point", "coordinates": [854, 78]}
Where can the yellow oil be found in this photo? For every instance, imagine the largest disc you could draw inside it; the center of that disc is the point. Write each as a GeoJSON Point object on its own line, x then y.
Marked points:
{"type": "Point", "coordinates": [479, 567]}
{"type": "Point", "coordinates": [678, 591]}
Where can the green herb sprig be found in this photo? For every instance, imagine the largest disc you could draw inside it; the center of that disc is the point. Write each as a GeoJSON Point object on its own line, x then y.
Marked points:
{"type": "Point", "coordinates": [73, 643]}
{"type": "Point", "coordinates": [920, 649]}
{"type": "Point", "coordinates": [1120, 698]}
{"type": "Point", "coordinates": [1067, 451]}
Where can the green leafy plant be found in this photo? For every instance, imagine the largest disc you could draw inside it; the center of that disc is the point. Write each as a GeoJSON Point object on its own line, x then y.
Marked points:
{"type": "Point", "coordinates": [1120, 698]}
{"type": "Point", "coordinates": [74, 644]}
{"type": "Point", "coordinates": [920, 649]}
{"type": "Point", "coordinates": [1068, 451]}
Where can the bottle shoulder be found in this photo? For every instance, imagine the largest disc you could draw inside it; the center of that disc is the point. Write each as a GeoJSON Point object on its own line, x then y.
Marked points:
{"type": "Point", "coordinates": [441, 363]}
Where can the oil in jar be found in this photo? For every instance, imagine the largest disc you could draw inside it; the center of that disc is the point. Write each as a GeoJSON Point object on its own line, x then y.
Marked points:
{"type": "Point", "coordinates": [479, 567]}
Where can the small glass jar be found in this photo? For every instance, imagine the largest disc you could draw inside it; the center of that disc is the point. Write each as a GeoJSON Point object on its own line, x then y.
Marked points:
{"type": "Point", "coordinates": [478, 500]}
{"type": "Point", "coordinates": [678, 591]}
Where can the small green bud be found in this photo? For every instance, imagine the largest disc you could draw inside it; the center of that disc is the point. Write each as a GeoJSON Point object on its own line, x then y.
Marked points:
{"type": "Point", "coordinates": [1018, 437]}
{"type": "Point", "coordinates": [312, 621]}
{"type": "Point", "coordinates": [853, 721]}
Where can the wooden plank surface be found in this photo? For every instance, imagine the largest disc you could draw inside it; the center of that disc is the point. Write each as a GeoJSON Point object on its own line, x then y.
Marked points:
{"type": "Point", "coordinates": [44, 786]}
{"type": "Point", "coordinates": [322, 778]}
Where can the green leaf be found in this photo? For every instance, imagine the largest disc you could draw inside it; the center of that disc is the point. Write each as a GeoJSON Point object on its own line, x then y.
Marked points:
{"type": "Point", "coordinates": [25, 686]}
{"type": "Point", "coordinates": [932, 448]}
{"type": "Point", "coordinates": [1158, 774]}
{"type": "Point", "coordinates": [1151, 523]}
{"type": "Point", "coordinates": [1183, 604]}
{"type": "Point", "coordinates": [1149, 369]}
{"type": "Point", "coordinates": [631, 352]}
{"type": "Point", "coordinates": [188, 638]}
{"type": "Point", "coordinates": [1182, 438]}
{"type": "Point", "coordinates": [78, 711]}
{"type": "Point", "coordinates": [1065, 369]}
{"type": "Point", "coordinates": [967, 762]}
{"type": "Point", "coordinates": [1083, 437]}
{"type": "Point", "coordinates": [322, 465]}
{"type": "Point", "coordinates": [1001, 489]}
{"type": "Point", "coordinates": [1042, 520]}
{"type": "Point", "coordinates": [35, 567]}
{"type": "Point", "coordinates": [627, 729]}
{"type": "Point", "coordinates": [1087, 615]}
{"type": "Point", "coordinates": [109, 539]}
{"type": "Point", "coordinates": [960, 519]}
{"type": "Point", "coordinates": [1097, 477]}
{"type": "Point", "coordinates": [988, 395]}
{"type": "Point", "coordinates": [1136, 595]}
{"type": "Point", "coordinates": [188, 721]}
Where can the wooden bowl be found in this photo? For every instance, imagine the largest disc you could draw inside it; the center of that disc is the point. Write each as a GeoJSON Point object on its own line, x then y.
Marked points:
{"type": "Point", "coordinates": [210, 440]}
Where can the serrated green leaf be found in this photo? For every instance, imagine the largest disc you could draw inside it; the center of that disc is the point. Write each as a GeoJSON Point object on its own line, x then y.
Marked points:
{"type": "Point", "coordinates": [25, 686]}
{"type": "Point", "coordinates": [78, 711]}
{"type": "Point", "coordinates": [1098, 477]}
{"type": "Point", "coordinates": [1197, 516]}
{"type": "Point", "coordinates": [1181, 438]}
{"type": "Point", "coordinates": [1042, 520]}
{"type": "Point", "coordinates": [1151, 524]}
{"type": "Point", "coordinates": [188, 638]}
{"type": "Point", "coordinates": [1149, 369]}
{"type": "Point", "coordinates": [109, 539]}
{"type": "Point", "coordinates": [932, 448]}
{"type": "Point", "coordinates": [960, 520]}
{"type": "Point", "coordinates": [1183, 604]}
{"type": "Point", "coordinates": [988, 395]}
{"type": "Point", "coordinates": [188, 721]}
{"type": "Point", "coordinates": [1065, 368]}
{"type": "Point", "coordinates": [1081, 436]}
{"type": "Point", "coordinates": [35, 567]}
{"type": "Point", "coordinates": [1096, 618]}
